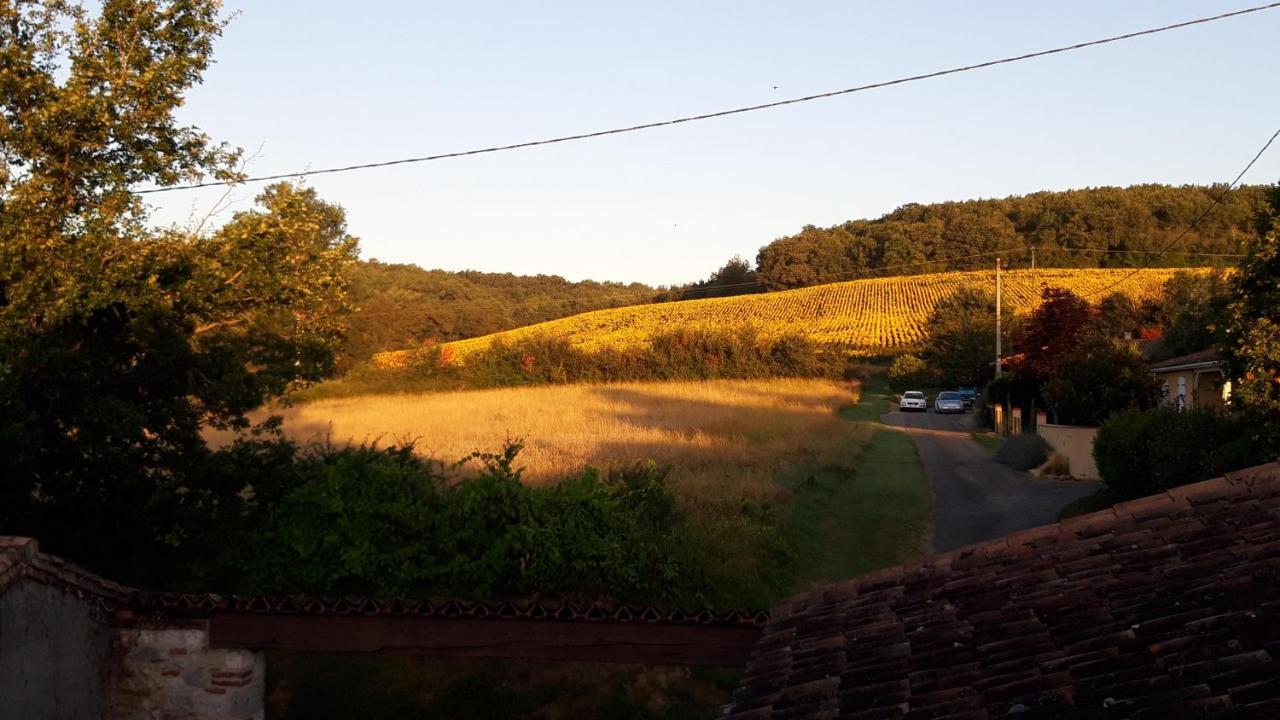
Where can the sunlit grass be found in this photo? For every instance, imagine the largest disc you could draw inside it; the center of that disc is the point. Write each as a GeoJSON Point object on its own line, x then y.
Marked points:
{"type": "Point", "coordinates": [739, 432]}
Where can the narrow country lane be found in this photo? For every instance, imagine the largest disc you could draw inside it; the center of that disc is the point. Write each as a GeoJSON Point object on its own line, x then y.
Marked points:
{"type": "Point", "coordinates": [975, 497]}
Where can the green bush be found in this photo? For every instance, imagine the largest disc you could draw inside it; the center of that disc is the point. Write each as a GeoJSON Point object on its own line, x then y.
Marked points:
{"type": "Point", "coordinates": [1141, 453]}
{"type": "Point", "coordinates": [687, 354]}
{"type": "Point", "coordinates": [1023, 452]}
{"type": "Point", "coordinates": [907, 372]}
{"type": "Point", "coordinates": [1120, 452]}
{"type": "Point", "coordinates": [359, 520]}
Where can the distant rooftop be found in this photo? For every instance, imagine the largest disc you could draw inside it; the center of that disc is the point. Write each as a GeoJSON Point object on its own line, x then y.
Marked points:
{"type": "Point", "coordinates": [1203, 357]}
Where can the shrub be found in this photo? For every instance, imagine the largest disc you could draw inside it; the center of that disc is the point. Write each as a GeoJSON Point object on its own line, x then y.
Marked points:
{"type": "Point", "coordinates": [1140, 453]}
{"type": "Point", "coordinates": [1098, 378]}
{"type": "Point", "coordinates": [1120, 452]}
{"type": "Point", "coordinates": [907, 372]}
{"type": "Point", "coordinates": [357, 520]}
{"type": "Point", "coordinates": [1023, 452]}
{"type": "Point", "coordinates": [687, 354]}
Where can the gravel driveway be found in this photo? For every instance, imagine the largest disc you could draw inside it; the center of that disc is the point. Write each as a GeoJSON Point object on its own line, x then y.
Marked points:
{"type": "Point", "coordinates": [975, 497]}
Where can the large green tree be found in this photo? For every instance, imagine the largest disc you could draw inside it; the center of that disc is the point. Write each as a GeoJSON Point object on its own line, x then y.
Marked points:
{"type": "Point", "coordinates": [961, 346]}
{"type": "Point", "coordinates": [1098, 377]}
{"type": "Point", "coordinates": [1049, 333]}
{"type": "Point", "coordinates": [1190, 312]}
{"type": "Point", "coordinates": [119, 342]}
{"type": "Point", "coordinates": [1251, 338]}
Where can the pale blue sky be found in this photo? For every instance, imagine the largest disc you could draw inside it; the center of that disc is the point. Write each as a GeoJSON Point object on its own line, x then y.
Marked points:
{"type": "Point", "coordinates": [322, 83]}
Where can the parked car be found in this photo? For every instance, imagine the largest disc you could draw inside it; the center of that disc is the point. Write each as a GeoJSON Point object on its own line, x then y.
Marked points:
{"type": "Point", "coordinates": [949, 401]}
{"type": "Point", "coordinates": [913, 400]}
{"type": "Point", "coordinates": [968, 394]}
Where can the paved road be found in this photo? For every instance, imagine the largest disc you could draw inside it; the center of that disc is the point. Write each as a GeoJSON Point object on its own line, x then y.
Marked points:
{"type": "Point", "coordinates": [977, 498]}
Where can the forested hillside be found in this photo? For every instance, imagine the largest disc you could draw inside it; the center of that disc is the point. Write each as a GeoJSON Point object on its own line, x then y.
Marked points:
{"type": "Point", "coordinates": [1095, 227]}
{"type": "Point", "coordinates": [402, 306]}
{"type": "Point", "coordinates": [861, 317]}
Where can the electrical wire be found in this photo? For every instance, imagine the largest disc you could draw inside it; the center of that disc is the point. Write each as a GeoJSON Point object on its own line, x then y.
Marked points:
{"type": "Point", "coordinates": [721, 113]}
{"type": "Point", "coordinates": [1147, 252]}
{"type": "Point", "coordinates": [1217, 200]}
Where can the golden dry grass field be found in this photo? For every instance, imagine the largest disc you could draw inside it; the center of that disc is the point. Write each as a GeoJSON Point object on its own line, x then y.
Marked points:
{"type": "Point", "coordinates": [729, 431]}
{"type": "Point", "coordinates": [864, 316]}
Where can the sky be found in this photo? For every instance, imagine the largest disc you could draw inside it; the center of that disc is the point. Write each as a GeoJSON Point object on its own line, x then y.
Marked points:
{"type": "Point", "coordinates": [306, 84]}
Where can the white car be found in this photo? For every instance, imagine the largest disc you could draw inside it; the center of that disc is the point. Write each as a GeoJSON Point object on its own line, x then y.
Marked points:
{"type": "Point", "coordinates": [913, 400]}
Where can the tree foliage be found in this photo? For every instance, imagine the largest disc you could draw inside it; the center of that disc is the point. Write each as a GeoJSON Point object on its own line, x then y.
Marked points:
{"type": "Point", "coordinates": [1075, 228]}
{"type": "Point", "coordinates": [402, 306]}
{"type": "Point", "coordinates": [119, 342]}
{"type": "Point", "coordinates": [961, 342]}
{"type": "Point", "coordinates": [1098, 377]}
{"type": "Point", "coordinates": [735, 277]}
{"type": "Point", "coordinates": [1251, 337]}
{"type": "Point", "coordinates": [1191, 313]}
{"type": "Point", "coordinates": [738, 352]}
{"type": "Point", "coordinates": [1045, 336]}
{"type": "Point", "coordinates": [908, 372]}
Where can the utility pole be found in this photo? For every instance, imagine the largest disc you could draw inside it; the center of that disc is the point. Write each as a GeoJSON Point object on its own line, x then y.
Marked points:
{"type": "Point", "coordinates": [998, 314]}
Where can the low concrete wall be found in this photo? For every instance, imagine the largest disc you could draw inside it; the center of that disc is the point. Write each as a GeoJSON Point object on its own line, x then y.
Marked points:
{"type": "Point", "coordinates": [1074, 442]}
{"type": "Point", "coordinates": [171, 672]}
{"type": "Point", "coordinates": [53, 654]}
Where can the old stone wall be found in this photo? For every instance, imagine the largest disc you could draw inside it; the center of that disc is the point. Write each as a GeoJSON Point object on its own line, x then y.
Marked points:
{"type": "Point", "coordinates": [170, 673]}
{"type": "Point", "coordinates": [53, 654]}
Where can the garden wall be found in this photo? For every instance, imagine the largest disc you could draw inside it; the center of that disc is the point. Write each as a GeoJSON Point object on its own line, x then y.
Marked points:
{"type": "Point", "coordinates": [1074, 442]}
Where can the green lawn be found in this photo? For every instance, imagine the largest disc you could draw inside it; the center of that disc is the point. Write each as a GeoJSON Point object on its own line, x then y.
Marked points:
{"type": "Point", "coordinates": [846, 523]}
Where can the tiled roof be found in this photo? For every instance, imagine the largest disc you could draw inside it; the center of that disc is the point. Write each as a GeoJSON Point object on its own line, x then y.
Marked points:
{"type": "Point", "coordinates": [1167, 606]}
{"type": "Point", "coordinates": [197, 605]}
{"type": "Point", "coordinates": [1196, 358]}
{"type": "Point", "coordinates": [20, 557]}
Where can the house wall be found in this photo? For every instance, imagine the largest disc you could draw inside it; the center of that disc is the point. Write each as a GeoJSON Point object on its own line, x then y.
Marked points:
{"type": "Point", "coordinates": [1204, 391]}
{"type": "Point", "coordinates": [1074, 442]}
{"type": "Point", "coordinates": [168, 671]}
{"type": "Point", "coordinates": [53, 654]}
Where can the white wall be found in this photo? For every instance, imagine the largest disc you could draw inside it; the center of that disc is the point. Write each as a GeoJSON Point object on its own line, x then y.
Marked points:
{"type": "Point", "coordinates": [1076, 443]}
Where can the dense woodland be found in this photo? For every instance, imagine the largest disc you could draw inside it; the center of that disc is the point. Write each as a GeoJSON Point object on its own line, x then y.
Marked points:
{"type": "Point", "coordinates": [1096, 227]}
{"type": "Point", "coordinates": [402, 306]}
{"type": "Point", "coordinates": [399, 306]}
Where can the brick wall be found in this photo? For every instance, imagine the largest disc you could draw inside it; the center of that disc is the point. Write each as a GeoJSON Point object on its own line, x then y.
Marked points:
{"type": "Point", "coordinates": [170, 673]}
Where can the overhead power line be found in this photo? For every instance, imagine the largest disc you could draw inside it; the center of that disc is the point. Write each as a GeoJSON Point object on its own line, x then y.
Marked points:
{"type": "Point", "coordinates": [1217, 200]}
{"type": "Point", "coordinates": [723, 113]}
{"type": "Point", "coordinates": [1109, 251]}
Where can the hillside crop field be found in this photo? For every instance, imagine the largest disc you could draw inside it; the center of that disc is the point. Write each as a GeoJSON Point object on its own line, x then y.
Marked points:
{"type": "Point", "coordinates": [864, 317]}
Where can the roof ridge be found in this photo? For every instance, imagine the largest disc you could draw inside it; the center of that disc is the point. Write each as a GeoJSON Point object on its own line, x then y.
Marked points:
{"type": "Point", "coordinates": [1199, 356]}
{"type": "Point", "coordinates": [20, 557]}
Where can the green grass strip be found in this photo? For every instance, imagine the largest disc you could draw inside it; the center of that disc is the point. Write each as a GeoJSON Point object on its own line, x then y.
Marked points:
{"type": "Point", "coordinates": [844, 523]}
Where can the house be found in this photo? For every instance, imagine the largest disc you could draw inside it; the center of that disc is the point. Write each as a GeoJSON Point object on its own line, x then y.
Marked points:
{"type": "Point", "coordinates": [1195, 380]}
{"type": "Point", "coordinates": [1162, 607]}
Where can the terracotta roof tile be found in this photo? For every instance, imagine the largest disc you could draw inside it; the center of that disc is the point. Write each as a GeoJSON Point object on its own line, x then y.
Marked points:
{"type": "Point", "coordinates": [1165, 606]}
{"type": "Point", "coordinates": [20, 558]}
